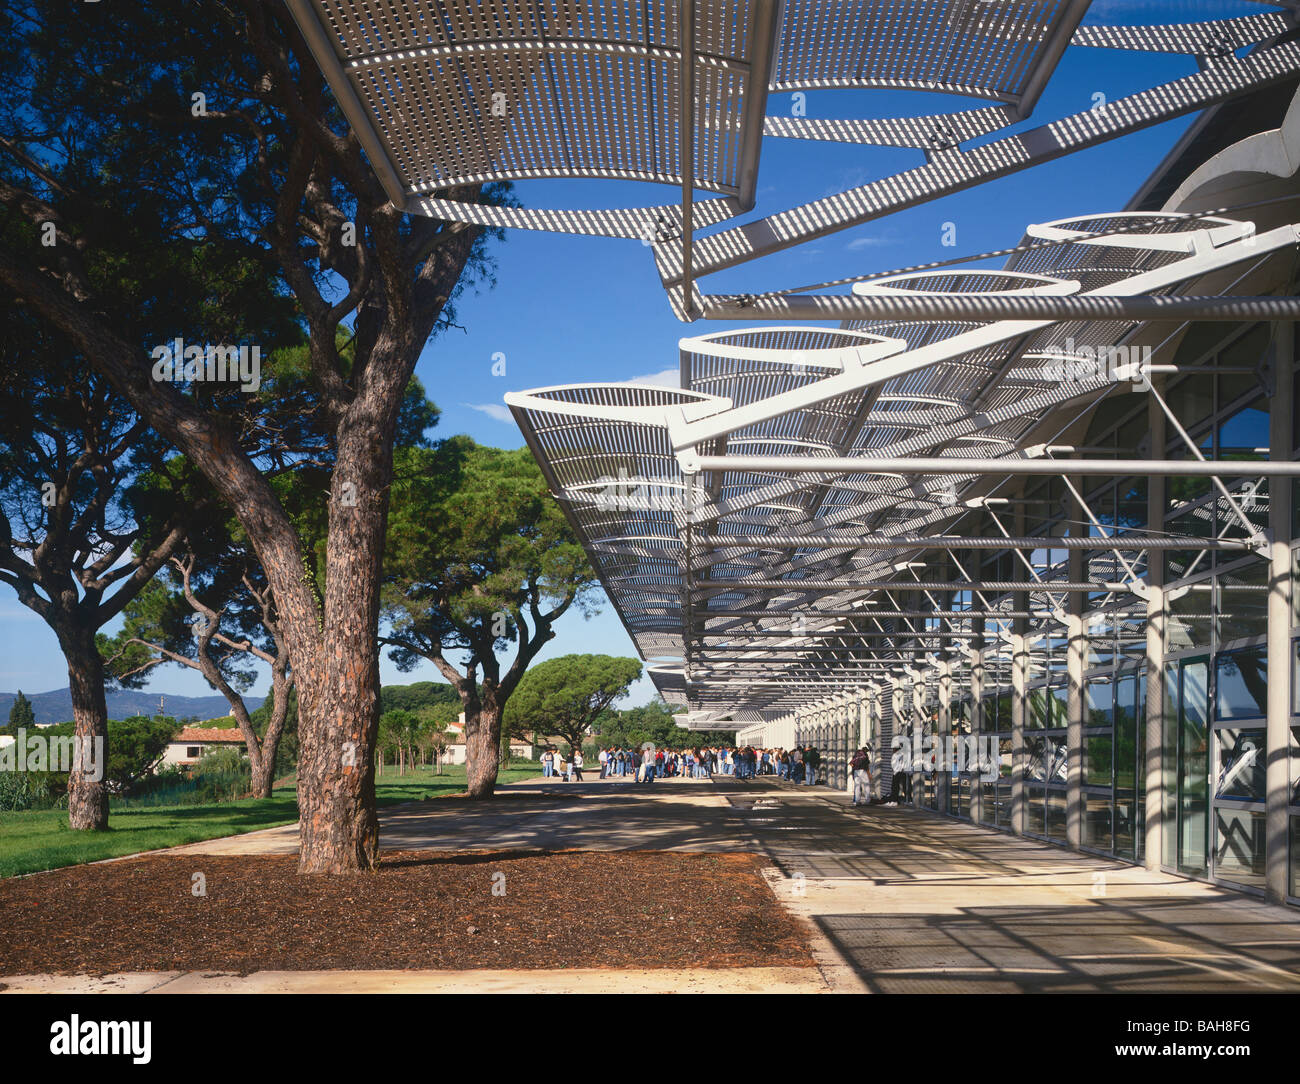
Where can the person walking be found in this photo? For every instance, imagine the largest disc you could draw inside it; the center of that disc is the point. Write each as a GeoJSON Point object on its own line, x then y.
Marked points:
{"type": "Point", "coordinates": [812, 761]}
{"type": "Point", "coordinates": [861, 765]}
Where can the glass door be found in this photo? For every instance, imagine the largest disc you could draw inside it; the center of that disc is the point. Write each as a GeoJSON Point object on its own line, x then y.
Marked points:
{"type": "Point", "coordinates": [1193, 768]}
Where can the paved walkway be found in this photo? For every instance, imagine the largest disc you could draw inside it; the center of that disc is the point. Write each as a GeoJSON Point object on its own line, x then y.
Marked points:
{"type": "Point", "coordinates": [900, 900]}
{"type": "Point", "coordinates": [915, 902]}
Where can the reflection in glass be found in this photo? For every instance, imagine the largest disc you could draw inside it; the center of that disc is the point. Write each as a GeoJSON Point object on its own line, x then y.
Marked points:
{"type": "Point", "coordinates": [1004, 712]}
{"type": "Point", "coordinates": [1193, 780]}
{"type": "Point", "coordinates": [1036, 717]}
{"type": "Point", "coordinates": [1294, 759]}
{"type": "Point", "coordinates": [1099, 702]}
{"type": "Point", "coordinates": [1189, 622]}
{"type": "Point", "coordinates": [1098, 750]}
{"type": "Point", "coordinates": [1126, 748]}
{"type": "Point", "coordinates": [1096, 820]}
{"type": "Point", "coordinates": [1004, 805]}
{"type": "Point", "coordinates": [1295, 856]}
{"type": "Point", "coordinates": [1060, 707]}
{"type": "Point", "coordinates": [1035, 817]}
{"type": "Point", "coordinates": [1242, 691]}
{"type": "Point", "coordinates": [1241, 611]}
{"type": "Point", "coordinates": [1056, 814]}
{"type": "Point", "coordinates": [1169, 764]}
{"type": "Point", "coordinates": [1241, 764]}
{"type": "Point", "coordinates": [1244, 432]}
{"type": "Point", "coordinates": [1046, 760]}
{"type": "Point", "coordinates": [1006, 758]}
{"type": "Point", "coordinates": [1239, 846]}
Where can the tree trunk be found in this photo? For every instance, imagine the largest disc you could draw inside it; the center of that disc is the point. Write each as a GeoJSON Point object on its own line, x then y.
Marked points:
{"type": "Point", "coordinates": [263, 777]}
{"type": "Point", "coordinates": [339, 831]}
{"type": "Point", "coordinates": [87, 798]}
{"type": "Point", "coordinates": [336, 772]}
{"type": "Point", "coordinates": [281, 683]}
{"type": "Point", "coordinates": [482, 750]}
{"type": "Point", "coordinates": [261, 754]}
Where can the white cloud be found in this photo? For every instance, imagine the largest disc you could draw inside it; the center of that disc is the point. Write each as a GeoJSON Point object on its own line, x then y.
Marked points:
{"type": "Point", "coordinates": [870, 242]}
{"type": "Point", "coordinates": [665, 378]}
{"type": "Point", "coordinates": [498, 411]}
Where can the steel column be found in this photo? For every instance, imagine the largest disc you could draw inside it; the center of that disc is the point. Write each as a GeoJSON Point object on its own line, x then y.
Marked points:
{"type": "Point", "coordinates": [1278, 734]}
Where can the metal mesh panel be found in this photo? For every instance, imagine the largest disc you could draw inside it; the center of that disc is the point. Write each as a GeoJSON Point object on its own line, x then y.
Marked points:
{"type": "Point", "coordinates": [987, 49]}
{"type": "Point", "coordinates": [511, 89]}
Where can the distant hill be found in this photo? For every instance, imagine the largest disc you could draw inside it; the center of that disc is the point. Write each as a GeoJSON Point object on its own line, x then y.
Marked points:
{"type": "Point", "coordinates": [56, 705]}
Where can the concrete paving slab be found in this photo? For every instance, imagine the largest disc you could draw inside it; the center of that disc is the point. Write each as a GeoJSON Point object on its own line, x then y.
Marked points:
{"type": "Point", "coordinates": [916, 902]}
{"type": "Point", "coordinates": [123, 982]}
{"type": "Point", "coordinates": [740, 980]}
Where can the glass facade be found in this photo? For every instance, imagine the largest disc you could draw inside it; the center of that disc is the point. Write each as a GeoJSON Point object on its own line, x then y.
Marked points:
{"type": "Point", "coordinates": [1211, 740]}
{"type": "Point", "coordinates": [1214, 744]}
{"type": "Point", "coordinates": [1209, 752]}
{"type": "Point", "coordinates": [1114, 762]}
{"type": "Point", "coordinates": [1046, 755]}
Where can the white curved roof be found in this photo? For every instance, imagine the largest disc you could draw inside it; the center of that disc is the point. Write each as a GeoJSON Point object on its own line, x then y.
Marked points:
{"type": "Point", "coordinates": [751, 586]}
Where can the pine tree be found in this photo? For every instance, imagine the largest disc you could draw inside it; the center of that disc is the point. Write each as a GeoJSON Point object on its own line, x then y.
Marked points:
{"type": "Point", "coordinates": [21, 713]}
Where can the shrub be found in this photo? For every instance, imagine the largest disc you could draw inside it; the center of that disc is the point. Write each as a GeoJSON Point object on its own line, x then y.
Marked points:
{"type": "Point", "coordinates": [21, 791]}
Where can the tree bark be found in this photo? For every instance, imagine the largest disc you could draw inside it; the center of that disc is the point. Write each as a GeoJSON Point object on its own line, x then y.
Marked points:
{"type": "Point", "coordinates": [87, 798]}
{"type": "Point", "coordinates": [483, 749]}
{"type": "Point", "coordinates": [336, 777]}
{"type": "Point", "coordinates": [264, 768]}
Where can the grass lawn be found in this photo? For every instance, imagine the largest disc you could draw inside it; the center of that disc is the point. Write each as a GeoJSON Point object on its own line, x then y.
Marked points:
{"type": "Point", "coordinates": [420, 783]}
{"type": "Point", "coordinates": [41, 839]}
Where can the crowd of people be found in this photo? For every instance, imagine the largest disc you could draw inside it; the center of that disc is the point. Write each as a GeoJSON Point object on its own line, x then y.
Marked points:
{"type": "Point", "coordinates": [797, 765]}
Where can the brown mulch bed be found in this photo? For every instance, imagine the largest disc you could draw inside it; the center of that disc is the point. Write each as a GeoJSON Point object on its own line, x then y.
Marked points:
{"type": "Point", "coordinates": [625, 909]}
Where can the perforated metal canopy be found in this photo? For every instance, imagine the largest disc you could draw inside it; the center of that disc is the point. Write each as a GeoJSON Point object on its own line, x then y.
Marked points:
{"type": "Point", "coordinates": [755, 585]}
{"type": "Point", "coordinates": [514, 89]}
{"type": "Point", "coordinates": [447, 93]}
{"type": "Point", "coordinates": [791, 518]}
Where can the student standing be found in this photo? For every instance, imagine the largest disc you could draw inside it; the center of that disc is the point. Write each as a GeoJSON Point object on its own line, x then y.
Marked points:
{"type": "Point", "coordinates": [861, 765]}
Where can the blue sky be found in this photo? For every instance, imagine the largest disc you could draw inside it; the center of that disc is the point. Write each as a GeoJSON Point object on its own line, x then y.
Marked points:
{"type": "Point", "coordinates": [569, 309]}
